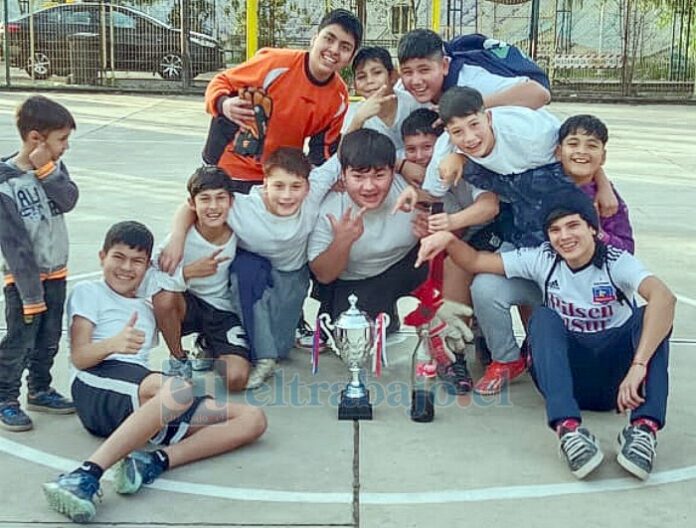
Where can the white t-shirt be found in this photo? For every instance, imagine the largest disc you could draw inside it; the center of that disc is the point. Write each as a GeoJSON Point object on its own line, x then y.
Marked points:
{"type": "Point", "coordinates": [386, 238]}
{"type": "Point", "coordinates": [586, 299]}
{"type": "Point", "coordinates": [213, 289]}
{"type": "Point", "coordinates": [406, 104]}
{"type": "Point", "coordinates": [524, 139]}
{"type": "Point", "coordinates": [282, 239]}
{"type": "Point", "coordinates": [109, 312]}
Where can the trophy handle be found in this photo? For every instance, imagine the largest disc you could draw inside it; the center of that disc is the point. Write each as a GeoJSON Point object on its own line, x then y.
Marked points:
{"type": "Point", "coordinates": [328, 328]}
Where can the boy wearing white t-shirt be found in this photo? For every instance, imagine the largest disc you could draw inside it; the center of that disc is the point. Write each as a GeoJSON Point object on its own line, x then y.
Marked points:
{"type": "Point", "coordinates": [196, 297]}
{"type": "Point", "coordinates": [510, 156]}
{"type": "Point", "coordinates": [384, 108]}
{"type": "Point", "coordinates": [274, 221]}
{"type": "Point", "coordinates": [591, 348]}
{"type": "Point", "coordinates": [112, 329]}
{"type": "Point", "coordinates": [358, 245]}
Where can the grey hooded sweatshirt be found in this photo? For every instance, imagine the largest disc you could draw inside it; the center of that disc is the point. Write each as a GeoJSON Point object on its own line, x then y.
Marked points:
{"type": "Point", "coordinates": [33, 234]}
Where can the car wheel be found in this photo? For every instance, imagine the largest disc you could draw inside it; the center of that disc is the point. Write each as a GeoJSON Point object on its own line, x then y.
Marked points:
{"type": "Point", "coordinates": [40, 65]}
{"type": "Point", "coordinates": [170, 66]}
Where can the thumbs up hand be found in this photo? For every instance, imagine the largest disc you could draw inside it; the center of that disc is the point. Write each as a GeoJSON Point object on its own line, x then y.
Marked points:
{"type": "Point", "coordinates": [129, 340]}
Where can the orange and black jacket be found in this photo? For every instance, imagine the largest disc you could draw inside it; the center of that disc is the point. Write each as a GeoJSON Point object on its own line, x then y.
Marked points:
{"type": "Point", "coordinates": [291, 106]}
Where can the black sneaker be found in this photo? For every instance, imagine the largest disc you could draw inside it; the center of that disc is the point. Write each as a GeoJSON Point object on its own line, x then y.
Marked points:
{"type": "Point", "coordinates": [637, 450]}
{"type": "Point", "coordinates": [201, 356]}
{"type": "Point", "coordinates": [581, 450]}
{"type": "Point", "coordinates": [455, 377]}
{"type": "Point", "coordinates": [50, 401]}
{"type": "Point", "coordinates": [13, 418]}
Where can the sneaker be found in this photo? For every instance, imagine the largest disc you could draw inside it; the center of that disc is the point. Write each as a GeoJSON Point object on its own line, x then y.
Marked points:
{"type": "Point", "coordinates": [138, 468]}
{"type": "Point", "coordinates": [581, 451]}
{"type": "Point", "coordinates": [264, 369]}
{"type": "Point", "coordinates": [73, 495]}
{"type": "Point", "coordinates": [304, 337]}
{"type": "Point", "coordinates": [178, 367]}
{"type": "Point", "coordinates": [498, 375]}
{"type": "Point", "coordinates": [455, 377]}
{"type": "Point", "coordinates": [201, 356]}
{"type": "Point", "coordinates": [50, 401]}
{"type": "Point", "coordinates": [637, 453]}
{"type": "Point", "coordinates": [13, 418]}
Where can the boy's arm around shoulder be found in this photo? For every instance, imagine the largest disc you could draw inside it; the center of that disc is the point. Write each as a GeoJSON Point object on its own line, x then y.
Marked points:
{"type": "Point", "coordinates": [530, 94]}
{"type": "Point", "coordinates": [18, 252]}
{"type": "Point", "coordinates": [58, 186]}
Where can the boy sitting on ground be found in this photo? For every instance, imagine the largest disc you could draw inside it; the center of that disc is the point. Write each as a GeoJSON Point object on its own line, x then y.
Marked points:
{"type": "Point", "coordinates": [119, 398]}
{"type": "Point", "coordinates": [591, 347]}
{"type": "Point", "coordinates": [196, 298]}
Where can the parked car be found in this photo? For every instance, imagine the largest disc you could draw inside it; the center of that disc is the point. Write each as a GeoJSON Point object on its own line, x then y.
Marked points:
{"type": "Point", "coordinates": [140, 42]}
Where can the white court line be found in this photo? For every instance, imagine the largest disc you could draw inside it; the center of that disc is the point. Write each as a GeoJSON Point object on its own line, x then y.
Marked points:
{"type": "Point", "coordinates": [532, 491]}
{"type": "Point", "coordinates": [686, 300]}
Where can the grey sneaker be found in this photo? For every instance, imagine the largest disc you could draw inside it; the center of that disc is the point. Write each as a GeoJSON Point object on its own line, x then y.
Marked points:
{"type": "Point", "coordinates": [50, 401]}
{"type": "Point", "coordinates": [178, 367]}
{"type": "Point", "coordinates": [138, 468]}
{"type": "Point", "coordinates": [637, 453]}
{"type": "Point", "coordinates": [13, 418]}
{"type": "Point", "coordinates": [581, 450]}
{"type": "Point", "coordinates": [264, 369]}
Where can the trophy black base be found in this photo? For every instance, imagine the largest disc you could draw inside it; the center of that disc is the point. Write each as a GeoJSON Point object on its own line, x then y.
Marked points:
{"type": "Point", "coordinates": [422, 406]}
{"type": "Point", "coordinates": [355, 408]}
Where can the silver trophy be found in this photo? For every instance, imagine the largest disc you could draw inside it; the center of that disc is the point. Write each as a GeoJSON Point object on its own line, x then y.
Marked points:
{"type": "Point", "coordinates": [352, 337]}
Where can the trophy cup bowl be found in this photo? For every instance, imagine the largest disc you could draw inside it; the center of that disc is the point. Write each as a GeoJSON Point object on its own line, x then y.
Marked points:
{"type": "Point", "coordinates": [351, 337]}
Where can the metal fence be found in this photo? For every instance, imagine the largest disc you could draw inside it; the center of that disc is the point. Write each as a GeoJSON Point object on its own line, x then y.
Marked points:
{"type": "Point", "coordinates": [619, 47]}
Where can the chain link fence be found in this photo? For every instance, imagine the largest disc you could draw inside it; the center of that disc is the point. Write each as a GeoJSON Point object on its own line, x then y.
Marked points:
{"type": "Point", "coordinates": [615, 47]}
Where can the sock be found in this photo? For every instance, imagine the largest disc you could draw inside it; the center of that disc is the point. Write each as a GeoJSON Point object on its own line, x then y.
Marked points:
{"type": "Point", "coordinates": [90, 468]}
{"type": "Point", "coordinates": [161, 459]}
{"type": "Point", "coordinates": [647, 422]}
{"type": "Point", "coordinates": [569, 424]}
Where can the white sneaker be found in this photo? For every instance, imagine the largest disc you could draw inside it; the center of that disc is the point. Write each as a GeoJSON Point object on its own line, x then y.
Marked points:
{"type": "Point", "coordinates": [304, 338]}
{"type": "Point", "coordinates": [264, 369]}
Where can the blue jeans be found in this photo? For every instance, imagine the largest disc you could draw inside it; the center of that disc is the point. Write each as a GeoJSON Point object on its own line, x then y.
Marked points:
{"type": "Point", "coordinates": [32, 346]}
{"type": "Point", "coordinates": [577, 371]}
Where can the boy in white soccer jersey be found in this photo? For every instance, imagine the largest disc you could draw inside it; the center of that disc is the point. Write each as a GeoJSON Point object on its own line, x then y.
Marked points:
{"type": "Point", "coordinates": [591, 347]}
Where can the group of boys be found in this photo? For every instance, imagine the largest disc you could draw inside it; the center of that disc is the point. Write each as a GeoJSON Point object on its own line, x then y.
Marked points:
{"type": "Point", "coordinates": [263, 220]}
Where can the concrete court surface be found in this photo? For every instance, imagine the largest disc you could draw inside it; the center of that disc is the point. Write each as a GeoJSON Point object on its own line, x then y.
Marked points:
{"type": "Point", "coordinates": [481, 462]}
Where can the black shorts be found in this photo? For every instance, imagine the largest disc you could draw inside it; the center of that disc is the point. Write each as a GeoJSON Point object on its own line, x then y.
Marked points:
{"type": "Point", "coordinates": [106, 394]}
{"type": "Point", "coordinates": [223, 331]}
{"type": "Point", "coordinates": [377, 294]}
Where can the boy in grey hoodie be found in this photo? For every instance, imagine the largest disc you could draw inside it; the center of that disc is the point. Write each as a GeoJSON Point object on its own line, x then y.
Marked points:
{"type": "Point", "coordinates": [35, 191]}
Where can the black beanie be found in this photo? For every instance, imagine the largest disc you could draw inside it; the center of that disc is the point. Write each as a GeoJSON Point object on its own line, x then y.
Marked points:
{"type": "Point", "coordinates": [568, 203]}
